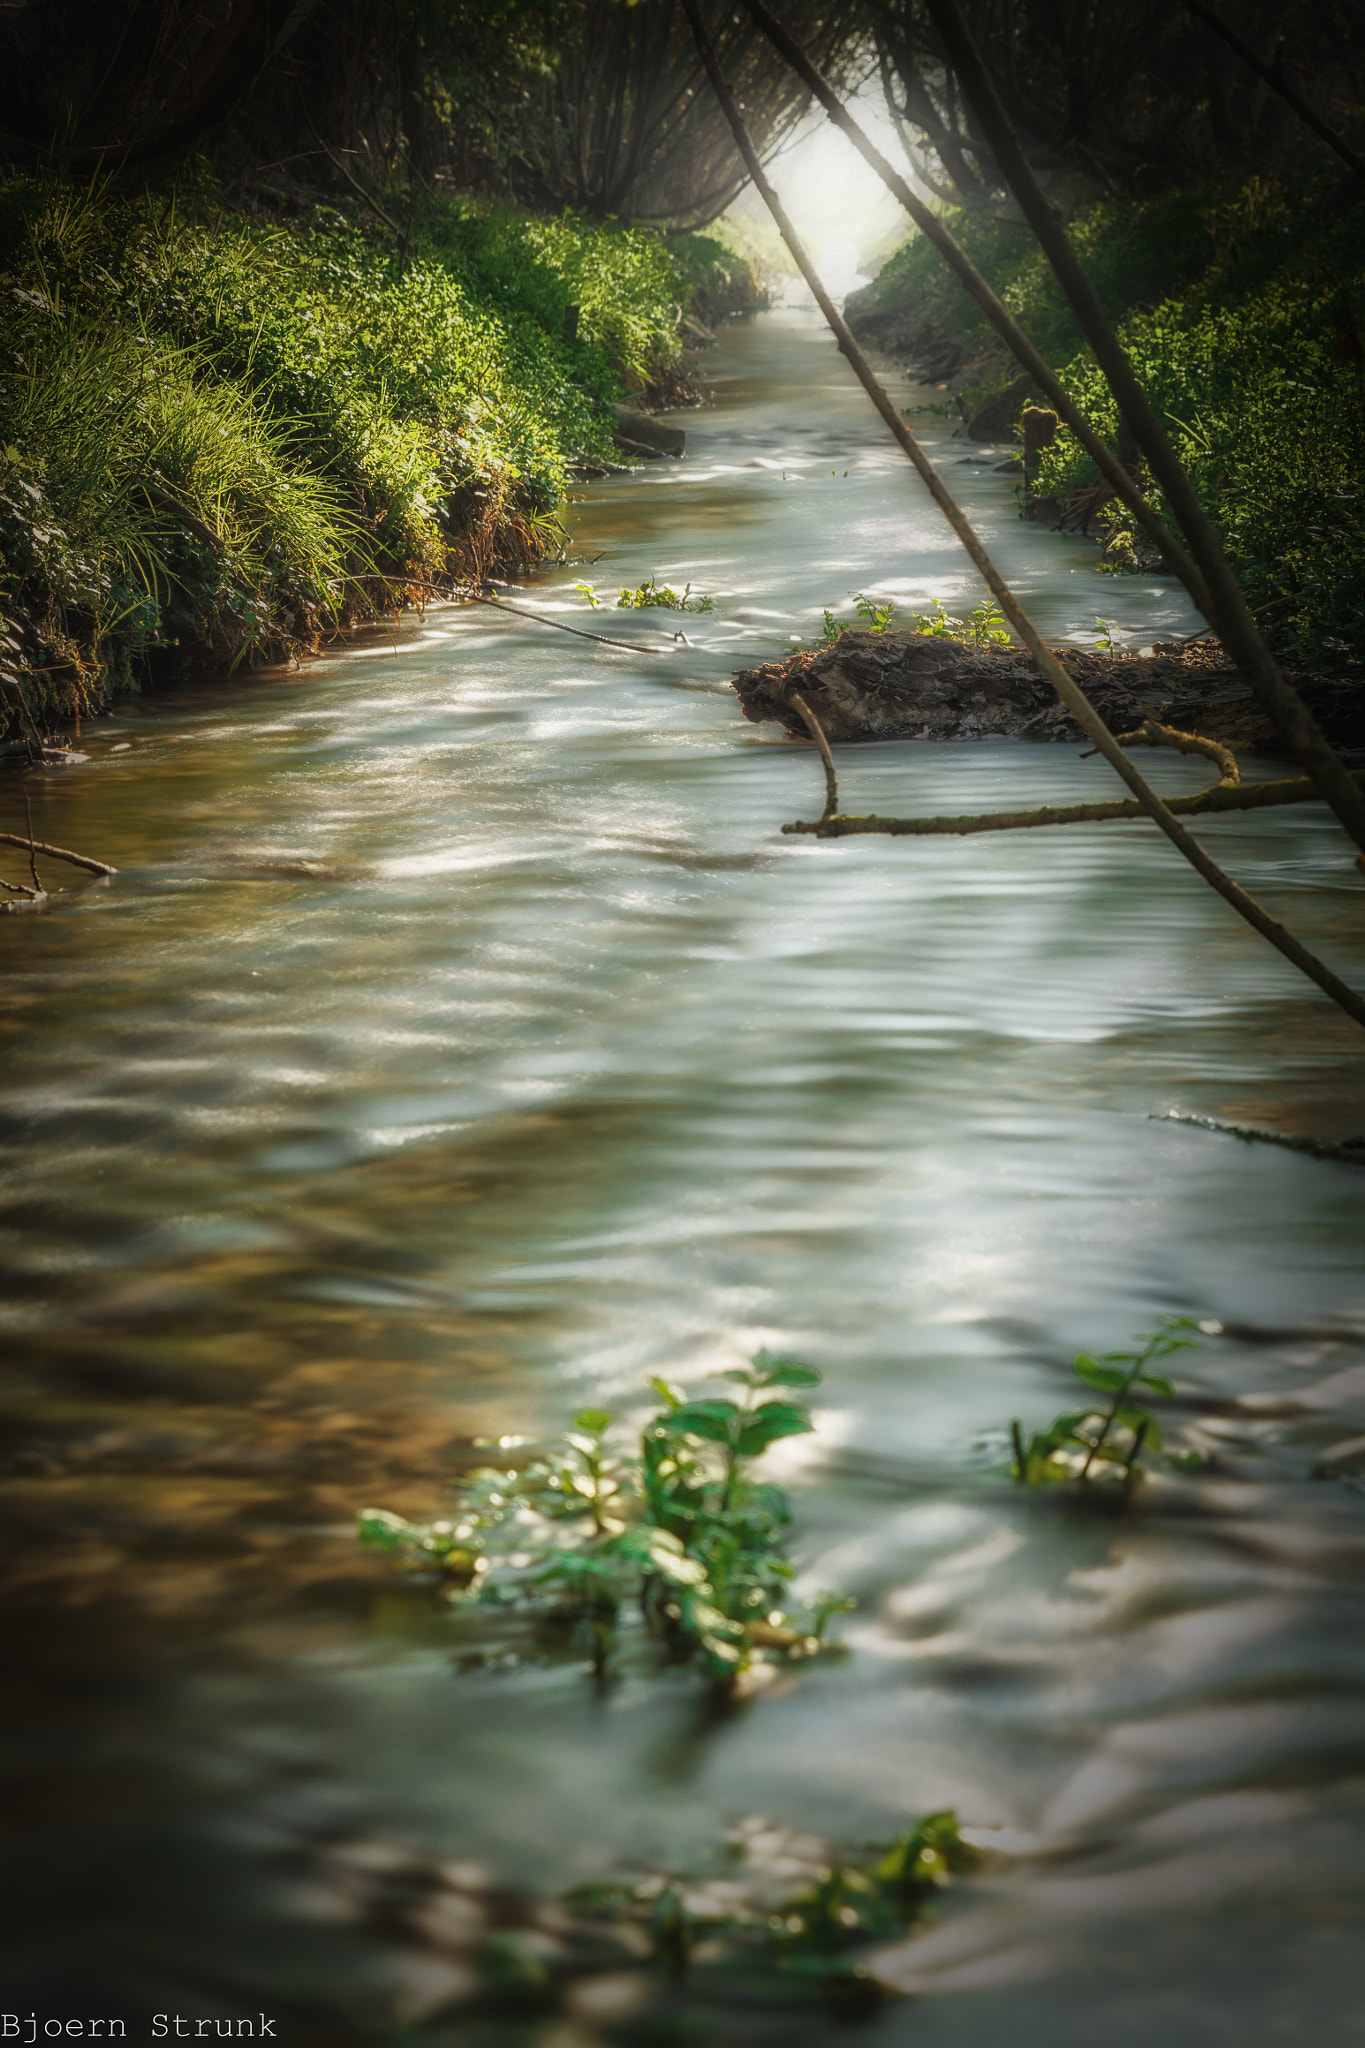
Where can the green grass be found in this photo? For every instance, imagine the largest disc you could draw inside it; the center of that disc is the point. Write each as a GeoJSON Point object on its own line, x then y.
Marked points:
{"type": "Point", "coordinates": [1243, 307]}
{"type": "Point", "coordinates": [222, 437]}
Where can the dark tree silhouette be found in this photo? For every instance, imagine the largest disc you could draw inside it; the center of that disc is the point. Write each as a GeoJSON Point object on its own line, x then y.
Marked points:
{"type": "Point", "coordinates": [1136, 96]}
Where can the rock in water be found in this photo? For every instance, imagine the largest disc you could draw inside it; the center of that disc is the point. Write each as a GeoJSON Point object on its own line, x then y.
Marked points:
{"type": "Point", "coordinates": [917, 686]}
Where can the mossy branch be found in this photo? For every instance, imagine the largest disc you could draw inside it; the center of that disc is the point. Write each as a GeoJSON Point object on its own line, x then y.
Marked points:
{"type": "Point", "coordinates": [1153, 734]}
{"type": "Point", "coordinates": [1254, 796]}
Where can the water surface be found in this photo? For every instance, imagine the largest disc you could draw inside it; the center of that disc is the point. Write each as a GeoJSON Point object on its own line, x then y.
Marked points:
{"type": "Point", "coordinates": [461, 1040]}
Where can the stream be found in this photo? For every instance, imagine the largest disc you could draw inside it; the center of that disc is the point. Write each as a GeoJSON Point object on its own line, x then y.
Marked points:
{"type": "Point", "coordinates": [461, 1041]}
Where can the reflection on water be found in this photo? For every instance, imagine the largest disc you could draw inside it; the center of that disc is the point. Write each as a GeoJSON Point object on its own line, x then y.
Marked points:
{"type": "Point", "coordinates": [460, 1039]}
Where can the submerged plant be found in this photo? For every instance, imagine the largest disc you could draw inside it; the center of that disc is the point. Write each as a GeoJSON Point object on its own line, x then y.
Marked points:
{"type": "Point", "coordinates": [678, 1531]}
{"type": "Point", "coordinates": [654, 593]}
{"type": "Point", "coordinates": [789, 1908]}
{"type": "Point", "coordinates": [1102, 1443]}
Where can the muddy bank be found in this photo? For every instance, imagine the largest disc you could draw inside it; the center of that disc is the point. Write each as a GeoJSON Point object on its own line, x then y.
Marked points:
{"type": "Point", "coordinates": [896, 686]}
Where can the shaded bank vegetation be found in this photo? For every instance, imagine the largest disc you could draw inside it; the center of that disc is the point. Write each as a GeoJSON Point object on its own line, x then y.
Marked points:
{"type": "Point", "coordinates": [1202, 160]}
{"type": "Point", "coordinates": [223, 437]}
{"type": "Point", "coordinates": [282, 346]}
{"type": "Point", "coordinates": [1241, 305]}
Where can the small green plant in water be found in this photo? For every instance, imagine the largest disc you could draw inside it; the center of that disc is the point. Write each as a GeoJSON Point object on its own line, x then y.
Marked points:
{"type": "Point", "coordinates": [654, 593]}
{"type": "Point", "coordinates": [1103, 1442]}
{"type": "Point", "coordinates": [677, 1539]}
{"type": "Point", "coordinates": [986, 625]}
{"type": "Point", "coordinates": [790, 1909]}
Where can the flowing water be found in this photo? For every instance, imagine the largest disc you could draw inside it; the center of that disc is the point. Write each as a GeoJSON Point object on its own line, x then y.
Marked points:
{"type": "Point", "coordinates": [461, 1040]}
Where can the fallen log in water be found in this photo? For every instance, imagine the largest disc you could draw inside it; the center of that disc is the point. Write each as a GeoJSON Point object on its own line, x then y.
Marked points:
{"type": "Point", "coordinates": [895, 686]}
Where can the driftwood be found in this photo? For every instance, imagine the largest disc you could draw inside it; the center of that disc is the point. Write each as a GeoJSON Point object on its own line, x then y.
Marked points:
{"type": "Point", "coordinates": [900, 685]}
{"type": "Point", "coordinates": [501, 605]}
{"type": "Point", "coordinates": [1151, 733]}
{"type": "Point", "coordinates": [826, 758]}
{"type": "Point", "coordinates": [603, 639]}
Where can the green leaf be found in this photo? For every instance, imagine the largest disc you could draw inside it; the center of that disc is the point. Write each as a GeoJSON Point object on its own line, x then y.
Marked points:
{"type": "Point", "coordinates": [1153, 1383]}
{"type": "Point", "coordinates": [594, 1420]}
{"type": "Point", "coordinates": [710, 1419]}
{"type": "Point", "coordinates": [1102, 1377]}
{"type": "Point", "coordinates": [670, 1396]}
{"type": "Point", "coordinates": [773, 1420]}
{"type": "Point", "coordinates": [383, 1530]}
{"type": "Point", "coordinates": [772, 1371]}
{"type": "Point", "coordinates": [1063, 1430]}
{"type": "Point", "coordinates": [680, 1571]}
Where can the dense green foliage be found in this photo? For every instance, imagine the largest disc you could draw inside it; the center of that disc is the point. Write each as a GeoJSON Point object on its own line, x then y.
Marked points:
{"type": "Point", "coordinates": [1243, 308]}
{"type": "Point", "coordinates": [222, 435]}
{"type": "Point", "coordinates": [566, 1537]}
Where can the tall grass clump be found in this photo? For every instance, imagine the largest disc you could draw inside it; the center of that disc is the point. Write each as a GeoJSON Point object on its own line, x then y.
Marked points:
{"type": "Point", "coordinates": [221, 437]}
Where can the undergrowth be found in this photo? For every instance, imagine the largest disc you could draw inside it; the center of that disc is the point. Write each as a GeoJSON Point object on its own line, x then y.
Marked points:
{"type": "Point", "coordinates": [222, 438]}
{"type": "Point", "coordinates": [1242, 306]}
{"type": "Point", "coordinates": [603, 1549]}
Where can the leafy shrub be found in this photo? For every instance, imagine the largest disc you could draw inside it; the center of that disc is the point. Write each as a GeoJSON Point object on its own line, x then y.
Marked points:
{"type": "Point", "coordinates": [680, 1528]}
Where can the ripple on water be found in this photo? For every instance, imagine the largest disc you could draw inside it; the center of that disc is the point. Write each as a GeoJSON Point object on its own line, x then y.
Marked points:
{"type": "Point", "coordinates": [461, 1039]}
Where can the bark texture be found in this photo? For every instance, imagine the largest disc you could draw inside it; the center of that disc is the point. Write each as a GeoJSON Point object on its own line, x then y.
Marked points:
{"type": "Point", "coordinates": [897, 686]}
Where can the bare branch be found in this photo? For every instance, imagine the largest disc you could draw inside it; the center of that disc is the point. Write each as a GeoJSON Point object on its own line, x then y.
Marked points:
{"type": "Point", "coordinates": [77, 860]}
{"type": "Point", "coordinates": [1215, 802]}
{"type": "Point", "coordinates": [1278, 84]}
{"type": "Point", "coordinates": [817, 733]}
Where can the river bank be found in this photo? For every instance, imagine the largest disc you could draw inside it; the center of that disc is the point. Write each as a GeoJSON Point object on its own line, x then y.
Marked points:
{"type": "Point", "coordinates": [1242, 305]}
{"type": "Point", "coordinates": [230, 432]}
